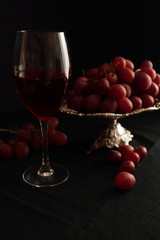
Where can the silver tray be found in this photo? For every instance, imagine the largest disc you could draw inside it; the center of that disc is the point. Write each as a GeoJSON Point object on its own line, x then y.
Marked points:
{"type": "Point", "coordinates": [115, 134]}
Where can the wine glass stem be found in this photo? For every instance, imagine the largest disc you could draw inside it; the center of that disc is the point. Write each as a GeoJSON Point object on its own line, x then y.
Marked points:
{"type": "Point", "coordinates": [45, 169]}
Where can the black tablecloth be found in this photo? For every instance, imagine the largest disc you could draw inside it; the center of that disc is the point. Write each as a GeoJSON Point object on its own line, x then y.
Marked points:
{"type": "Point", "coordinates": [88, 206]}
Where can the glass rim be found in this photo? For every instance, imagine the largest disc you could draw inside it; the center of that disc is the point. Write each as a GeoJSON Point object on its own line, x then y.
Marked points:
{"type": "Point", "coordinates": [40, 31]}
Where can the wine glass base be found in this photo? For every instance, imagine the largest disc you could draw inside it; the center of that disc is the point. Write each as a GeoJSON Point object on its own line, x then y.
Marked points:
{"type": "Point", "coordinates": [31, 176]}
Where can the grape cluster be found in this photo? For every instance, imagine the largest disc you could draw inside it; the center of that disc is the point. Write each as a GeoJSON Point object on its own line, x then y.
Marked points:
{"type": "Point", "coordinates": [128, 157]}
{"type": "Point", "coordinates": [29, 137]}
{"type": "Point", "coordinates": [115, 87]}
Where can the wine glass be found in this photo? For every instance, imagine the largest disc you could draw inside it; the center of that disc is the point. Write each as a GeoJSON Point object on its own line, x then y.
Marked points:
{"type": "Point", "coordinates": [42, 72]}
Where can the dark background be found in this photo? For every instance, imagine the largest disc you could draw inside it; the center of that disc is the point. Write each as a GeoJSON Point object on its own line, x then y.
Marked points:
{"type": "Point", "coordinates": [96, 31]}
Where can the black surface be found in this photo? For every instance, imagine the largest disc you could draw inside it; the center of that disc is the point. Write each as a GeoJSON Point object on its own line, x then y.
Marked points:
{"type": "Point", "coordinates": [88, 206]}
{"type": "Point", "coordinates": [96, 33]}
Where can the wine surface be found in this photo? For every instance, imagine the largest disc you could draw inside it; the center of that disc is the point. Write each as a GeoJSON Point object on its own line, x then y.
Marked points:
{"type": "Point", "coordinates": [42, 95]}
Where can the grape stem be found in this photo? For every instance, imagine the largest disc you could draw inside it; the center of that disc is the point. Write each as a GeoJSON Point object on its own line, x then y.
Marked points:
{"type": "Point", "coordinates": [8, 130]}
{"type": "Point", "coordinates": [15, 131]}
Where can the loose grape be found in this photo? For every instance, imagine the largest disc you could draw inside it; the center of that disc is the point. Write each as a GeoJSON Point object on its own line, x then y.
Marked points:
{"type": "Point", "coordinates": [125, 105]}
{"type": "Point", "coordinates": [51, 136]}
{"type": "Point", "coordinates": [6, 151]}
{"type": "Point", "coordinates": [132, 156]}
{"type": "Point", "coordinates": [21, 149]}
{"type": "Point", "coordinates": [113, 156]}
{"type": "Point", "coordinates": [127, 166]}
{"type": "Point", "coordinates": [60, 138]}
{"type": "Point", "coordinates": [117, 91]}
{"type": "Point", "coordinates": [123, 149]}
{"type": "Point", "coordinates": [23, 135]}
{"type": "Point", "coordinates": [29, 126]}
{"type": "Point", "coordinates": [119, 63]}
{"type": "Point", "coordinates": [12, 141]}
{"type": "Point", "coordinates": [36, 141]}
{"type": "Point", "coordinates": [126, 75]}
{"type": "Point", "coordinates": [1, 141]}
{"type": "Point", "coordinates": [142, 151]}
{"type": "Point", "coordinates": [124, 180]}
{"type": "Point", "coordinates": [53, 122]}
{"type": "Point", "coordinates": [137, 102]}
{"type": "Point", "coordinates": [108, 105]}
{"type": "Point", "coordinates": [142, 81]}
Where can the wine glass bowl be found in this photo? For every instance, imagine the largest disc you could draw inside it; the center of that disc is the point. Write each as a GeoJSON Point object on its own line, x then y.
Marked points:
{"type": "Point", "coordinates": [42, 72]}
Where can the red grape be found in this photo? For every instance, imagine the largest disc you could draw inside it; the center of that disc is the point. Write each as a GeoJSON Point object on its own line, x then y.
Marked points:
{"type": "Point", "coordinates": [117, 91]}
{"type": "Point", "coordinates": [142, 151]}
{"type": "Point", "coordinates": [119, 63]}
{"type": "Point", "coordinates": [98, 97]}
{"type": "Point", "coordinates": [51, 135]}
{"type": "Point", "coordinates": [153, 90]}
{"type": "Point", "coordinates": [128, 89]}
{"type": "Point", "coordinates": [127, 166]}
{"type": "Point", "coordinates": [77, 102]}
{"type": "Point", "coordinates": [69, 97]}
{"type": "Point", "coordinates": [1, 141]}
{"type": "Point", "coordinates": [23, 135]}
{"type": "Point", "coordinates": [6, 151]}
{"type": "Point", "coordinates": [150, 71]}
{"type": "Point", "coordinates": [129, 64]}
{"type": "Point", "coordinates": [92, 73]}
{"type": "Point", "coordinates": [29, 126]}
{"type": "Point", "coordinates": [91, 103]}
{"type": "Point", "coordinates": [146, 63]}
{"type": "Point", "coordinates": [36, 141]}
{"type": "Point", "coordinates": [132, 156]}
{"type": "Point", "coordinates": [126, 75]}
{"type": "Point", "coordinates": [12, 141]}
{"type": "Point", "coordinates": [21, 149]}
{"type": "Point", "coordinates": [157, 79]}
{"type": "Point", "coordinates": [112, 78]}
{"type": "Point", "coordinates": [113, 156]}
{"type": "Point", "coordinates": [60, 138]}
{"type": "Point", "coordinates": [103, 69]}
{"type": "Point", "coordinates": [123, 149]}
{"type": "Point", "coordinates": [125, 105]}
{"type": "Point", "coordinates": [102, 86]}
{"type": "Point", "coordinates": [124, 180]}
{"type": "Point", "coordinates": [80, 85]}
{"type": "Point", "coordinates": [142, 81]}
{"type": "Point", "coordinates": [53, 122]}
{"type": "Point", "coordinates": [108, 105]}
{"type": "Point", "coordinates": [158, 95]}
{"type": "Point", "coordinates": [137, 102]}
{"type": "Point", "coordinates": [147, 100]}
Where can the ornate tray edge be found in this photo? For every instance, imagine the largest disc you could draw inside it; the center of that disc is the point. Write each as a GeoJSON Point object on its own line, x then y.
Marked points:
{"type": "Point", "coordinates": [64, 109]}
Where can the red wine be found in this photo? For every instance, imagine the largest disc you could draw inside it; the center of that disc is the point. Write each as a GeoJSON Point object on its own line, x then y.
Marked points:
{"type": "Point", "coordinates": [42, 95]}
